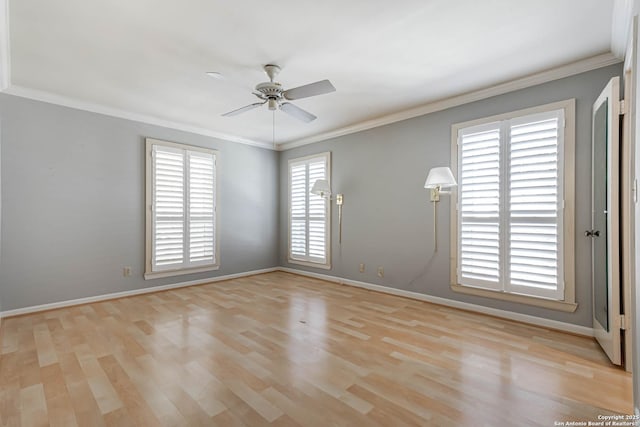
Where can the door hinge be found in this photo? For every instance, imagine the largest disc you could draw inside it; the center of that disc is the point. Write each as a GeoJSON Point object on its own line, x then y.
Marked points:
{"type": "Point", "coordinates": [623, 322]}
{"type": "Point", "coordinates": [623, 107]}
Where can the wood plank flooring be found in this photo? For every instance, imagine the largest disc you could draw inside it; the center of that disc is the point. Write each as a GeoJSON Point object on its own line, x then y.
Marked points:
{"type": "Point", "coordinates": [284, 350]}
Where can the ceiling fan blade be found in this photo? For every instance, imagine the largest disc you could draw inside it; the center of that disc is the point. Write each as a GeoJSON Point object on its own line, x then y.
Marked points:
{"type": "Point", "coordinates": [312, 89]}
{"type": "Point", "coordinates": [297, 112]}
{"type": "Point", "coordinates": [243, 109]}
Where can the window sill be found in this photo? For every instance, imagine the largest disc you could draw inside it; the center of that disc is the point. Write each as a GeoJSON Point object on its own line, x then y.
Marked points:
{"type": "Point", "coordinates": [566, 306]}
{"type": "Point", "coordinates": [171, 273]}
{"type": "Point", "coordinates": [310, 264]}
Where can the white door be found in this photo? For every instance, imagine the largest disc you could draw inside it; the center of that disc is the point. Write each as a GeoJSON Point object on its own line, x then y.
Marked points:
{"type": "Point", "coordinates": [604, 220]}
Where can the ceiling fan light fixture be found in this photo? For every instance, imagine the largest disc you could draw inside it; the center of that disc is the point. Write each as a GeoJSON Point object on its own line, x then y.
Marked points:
{"type": "Point", "coordinates": [273, 105]}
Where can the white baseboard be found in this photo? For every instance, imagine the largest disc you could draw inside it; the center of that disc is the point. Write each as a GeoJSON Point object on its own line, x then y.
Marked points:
{"type": "Point", "coordinates": [533, 320]}
{"type": "Point", "coordinates": [524, 318]}
{"type": "Point", "coordinates": [104, 297]}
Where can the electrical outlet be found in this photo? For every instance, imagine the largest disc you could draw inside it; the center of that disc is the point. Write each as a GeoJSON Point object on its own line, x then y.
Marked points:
{"type": "Point", "coordinates": [380, 272]}
{"type": "Point", "coordinates": [126, 271]}
{"type": "Point", "coordinates": [361, 267]}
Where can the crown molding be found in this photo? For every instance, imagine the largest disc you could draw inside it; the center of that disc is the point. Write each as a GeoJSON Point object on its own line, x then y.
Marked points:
{"type": "Point", "coordinates": [574, 68]}
{"type": "Point", "coordinates": [5, 58]}
{"type": "Point", "coordinates": [52, 98]}
{"type": "Point", "coordinates": [64, 101]}
{"type": "Point", "coordinates": [567, 70]}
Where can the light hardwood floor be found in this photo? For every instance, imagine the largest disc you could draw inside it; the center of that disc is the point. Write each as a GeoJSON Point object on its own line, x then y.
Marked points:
{"type": "Point", "coordinates": [284, 350]}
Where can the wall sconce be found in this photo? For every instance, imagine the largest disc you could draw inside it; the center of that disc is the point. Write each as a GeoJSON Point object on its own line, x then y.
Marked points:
{"type": "Point", "coordinates": [322, 189]}
{"type": "Point", "coordinates": [438, 178]}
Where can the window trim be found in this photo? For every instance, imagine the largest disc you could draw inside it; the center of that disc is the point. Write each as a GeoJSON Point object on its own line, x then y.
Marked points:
{"type": "Point", "coordinates": [290, 259]}
{"type": "Point", "coordinates": [568, 304]}
{"type": "Point", "coordinates": [149, 273]}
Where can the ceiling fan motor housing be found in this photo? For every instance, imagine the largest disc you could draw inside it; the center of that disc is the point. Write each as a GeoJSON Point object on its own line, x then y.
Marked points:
{"type": "Point", "coordinates": [270, 89]}
{"type": "Point", "coordinates": [271, 92]}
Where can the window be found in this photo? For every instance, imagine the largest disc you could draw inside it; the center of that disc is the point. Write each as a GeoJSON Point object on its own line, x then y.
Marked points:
{"type": "Point", "coordinates": [309, 220]}
{"type": "Point", "coordinates": [514, 225]}
{"type": "Point", "coordinates": [181, 209]}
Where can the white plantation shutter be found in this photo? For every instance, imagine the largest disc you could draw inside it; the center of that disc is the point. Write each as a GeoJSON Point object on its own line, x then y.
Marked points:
{"type": "Point", "coordinates": [308, 213]}
{"type": "Point", "coordinates": [168, 208]}
{"type": "Point", "coordinates": [201, 208]}
{"type": "Point", "coordinates": [535, 198]}
{"type": "Point", "coordinates": [510, 205]}
{"type": "Point", "coordinates": [317, 212]}
{"type": "Point", "coordinates": [298, 207]}
{"type": "Point", "coordinates": [479, 206]}
{"type": "Point", "coordinates": [183, 210]}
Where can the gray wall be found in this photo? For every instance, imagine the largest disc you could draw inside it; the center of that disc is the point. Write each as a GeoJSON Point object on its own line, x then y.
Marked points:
{"type": "Point", "coordinates": [72, 200]}
{"type": "Point", "coordinates": [73, 186]}
{"type": "Point", "coordinates": [388, 219]}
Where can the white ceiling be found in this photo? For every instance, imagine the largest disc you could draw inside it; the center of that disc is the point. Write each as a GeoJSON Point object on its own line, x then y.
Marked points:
{"type": "Point", "coordinates": [149, 57]}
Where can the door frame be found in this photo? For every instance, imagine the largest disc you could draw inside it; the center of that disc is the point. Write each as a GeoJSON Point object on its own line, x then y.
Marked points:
{"type": "Point", "coordinates": [627, 223]}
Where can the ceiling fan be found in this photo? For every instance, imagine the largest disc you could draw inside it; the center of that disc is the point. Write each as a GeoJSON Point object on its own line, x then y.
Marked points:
{"type": "Point", "coordinates": [275, 96]}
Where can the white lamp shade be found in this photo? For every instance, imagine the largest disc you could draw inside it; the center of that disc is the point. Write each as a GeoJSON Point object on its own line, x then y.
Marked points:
{"type": "Point", "coordinates": [440, 177]}
{"type": "Point", "coordinates": [321, 187]}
